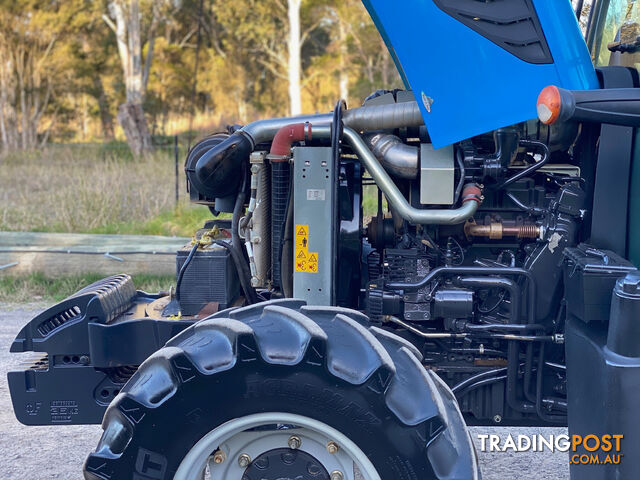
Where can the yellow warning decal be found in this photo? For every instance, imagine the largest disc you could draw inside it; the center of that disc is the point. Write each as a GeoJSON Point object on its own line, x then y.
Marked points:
{"type": "Point", "coordinates": [305, 261]}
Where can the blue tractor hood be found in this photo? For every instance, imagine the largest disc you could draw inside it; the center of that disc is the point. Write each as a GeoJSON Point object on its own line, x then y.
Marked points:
{"type": "Point", "coordinates": [478, 65]}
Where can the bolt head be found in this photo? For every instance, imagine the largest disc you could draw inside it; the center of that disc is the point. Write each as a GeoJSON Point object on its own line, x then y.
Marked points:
{"type": "Point", "coordinates": [332, 448]}
{"type": "Point", "coordinates": [294, 442]}
{"type": "Point", "coordinates": [336, 475]}
{"type": "Point", "coordinates": [630, 283]}
{"type": "Point", "coordinates": [219, 456]}
{"type": "Point", "coordinates": [244, 460]}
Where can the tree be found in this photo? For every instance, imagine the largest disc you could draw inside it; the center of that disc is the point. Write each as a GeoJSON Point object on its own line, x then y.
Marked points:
{"type": "Point", "coordinates": [295, 60]}
{"type": "Point", "coordinates": [258, 28]}
{"type": "Point", "coordinates": [125, 21]}
{"type": "Point", "coordinates": [28, 71]}
{"type": "Point", "coordinates": [93, 59]}
{"type": "Point", "coordinates": [65, 76]}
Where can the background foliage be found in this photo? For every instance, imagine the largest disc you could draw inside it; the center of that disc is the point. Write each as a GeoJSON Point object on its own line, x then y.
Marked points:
{"type": "Point", "coordinates": [61, 79]}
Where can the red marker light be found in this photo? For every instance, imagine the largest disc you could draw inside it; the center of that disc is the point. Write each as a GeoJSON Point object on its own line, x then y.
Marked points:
{"type": "Point", "coordinates": [549, 105]}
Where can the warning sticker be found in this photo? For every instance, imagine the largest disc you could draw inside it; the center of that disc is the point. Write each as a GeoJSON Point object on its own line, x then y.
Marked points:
{"type": "Point", "coordinates": [306, 261]}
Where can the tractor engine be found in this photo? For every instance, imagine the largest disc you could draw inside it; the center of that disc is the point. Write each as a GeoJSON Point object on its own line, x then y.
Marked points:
{"type": "Point", "coordinates": [458, 249]}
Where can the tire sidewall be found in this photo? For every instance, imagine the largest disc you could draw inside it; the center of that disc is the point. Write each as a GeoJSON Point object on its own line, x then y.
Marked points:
{"type": "Point", "coordinates": [168, 431]}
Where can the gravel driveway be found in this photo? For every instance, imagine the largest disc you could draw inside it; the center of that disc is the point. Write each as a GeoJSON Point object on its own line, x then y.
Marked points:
{"type": "Point", "coordinates": [38, 453]}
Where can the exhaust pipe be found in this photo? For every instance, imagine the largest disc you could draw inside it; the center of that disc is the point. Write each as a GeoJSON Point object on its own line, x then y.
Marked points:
{"type": "Point", "coordinates": [231, 153]}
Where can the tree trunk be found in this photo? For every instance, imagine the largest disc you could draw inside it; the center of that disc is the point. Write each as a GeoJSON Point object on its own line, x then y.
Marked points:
{"type": "Point", "coordinates": [295, 101]}
{"type": "Point", "coordinates": [4, 136]}
{"type": "Point", "coordinates": [131, 114]}
{"type": "Point", "coordinates": [135, 93]}
{"type": "Point", "coordinates": [385, 65]}
{"type": "Point", "coordinates": [23, 106]}
{"type": "Point", "coordinates": [7, 103]}
{"type": "Point", "coordinates": [103, 105]}
{"type": "Point", "coordinates": [131, 118]}
{"type": "Point", "coordinates": [344, 75]}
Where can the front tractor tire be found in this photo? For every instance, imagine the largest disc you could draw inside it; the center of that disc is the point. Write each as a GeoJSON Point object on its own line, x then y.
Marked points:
{"type": "Point", "coordinates": [284, 390]}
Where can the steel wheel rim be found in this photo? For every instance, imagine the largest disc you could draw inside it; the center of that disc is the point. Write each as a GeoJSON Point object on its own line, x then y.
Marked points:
{"type": "Point", "coordinates": [195, 461]}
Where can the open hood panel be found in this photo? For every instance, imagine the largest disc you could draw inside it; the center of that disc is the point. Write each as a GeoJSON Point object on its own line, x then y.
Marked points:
{"type": "Point", "coordinates": [478, 65]}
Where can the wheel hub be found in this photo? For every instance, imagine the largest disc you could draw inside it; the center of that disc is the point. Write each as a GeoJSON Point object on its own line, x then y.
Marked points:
{"type": "Point", "coordinates": [255, 448]}
{"type": "Point", "coordinates": [285, 464]}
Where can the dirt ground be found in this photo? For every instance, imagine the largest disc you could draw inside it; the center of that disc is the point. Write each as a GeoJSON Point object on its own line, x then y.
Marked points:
{"type": "Point", "coordinates": [39, 453]}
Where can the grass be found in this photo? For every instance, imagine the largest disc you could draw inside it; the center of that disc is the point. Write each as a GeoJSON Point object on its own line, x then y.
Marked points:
{"type": "Point", "coordinates": [100, 188]}
{"type": "Point", "coordinates": [37, 287]}
{"type": "Point", "coordinates": [181, 221]}
{"type": "Point", "coordinates": [94, 189]}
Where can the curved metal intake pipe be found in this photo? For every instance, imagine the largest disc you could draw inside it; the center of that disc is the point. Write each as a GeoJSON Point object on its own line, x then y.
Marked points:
{"type": "Point", "coordinates": [398, 158]}
{"type": "Point", "coordinates": [471, 196]}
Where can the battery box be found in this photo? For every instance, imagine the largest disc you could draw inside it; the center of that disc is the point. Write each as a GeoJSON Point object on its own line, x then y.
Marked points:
{"type": "Point", "coordinates": [211, 276]}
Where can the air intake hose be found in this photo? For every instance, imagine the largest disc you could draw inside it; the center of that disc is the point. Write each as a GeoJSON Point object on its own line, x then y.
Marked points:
{"type": "Point", "coordinates": [219, 170]}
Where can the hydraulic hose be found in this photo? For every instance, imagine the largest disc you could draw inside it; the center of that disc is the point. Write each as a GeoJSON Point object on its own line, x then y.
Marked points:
{"type": "Point", "coordinates": [539, 400]}
{"type": "Point", "coordinates": [236, 249]}
{"type": "Point", "coordinates": [464, 270]}
{"type": "Point", "coordinates": [495, 282]}
{"type": "Point", "coordinates": [239, 262]}
{"type": "Point", "coordinates": [478, 384]}
{"type": "Point", "coordinates": [546, 156]}
{"type": "Point", "coordinates": [475, 378]}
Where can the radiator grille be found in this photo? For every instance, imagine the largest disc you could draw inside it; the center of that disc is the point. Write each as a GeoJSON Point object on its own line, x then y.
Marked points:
{"type": "Point", "coordinates": [58, 320]}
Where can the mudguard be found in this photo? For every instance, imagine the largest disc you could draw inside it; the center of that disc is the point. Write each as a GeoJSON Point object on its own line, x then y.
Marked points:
{"type": "Point", "coordinates": [478, 66]}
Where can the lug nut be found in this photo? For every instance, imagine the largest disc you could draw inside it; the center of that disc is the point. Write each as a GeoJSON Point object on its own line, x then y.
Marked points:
{"type": "Point", "coordinates": [219, 457]}
{"type": "Point", "coordinates": [244, 460]}
{"type": "Point", "coordinates": [336, 475]}
{"type": "Point", "coordinates": [332, 448]}
{"type": "Point", "coordinates": [294, 442]}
